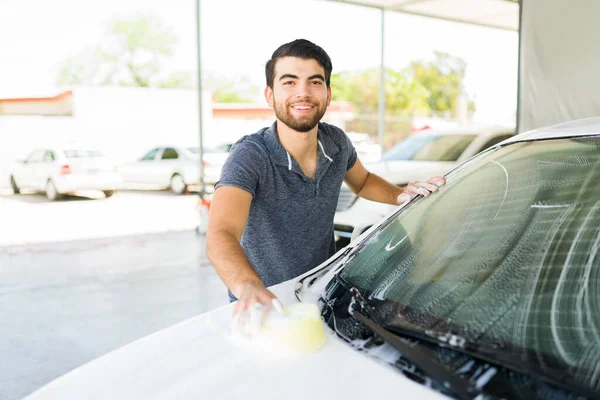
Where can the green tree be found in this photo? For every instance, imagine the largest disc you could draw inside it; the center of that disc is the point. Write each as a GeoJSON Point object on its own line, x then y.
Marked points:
{"type": "Point", "coordinates": [442, 78]}
{"type": "Point", "coordinates": [230, 90]}
{"type": "Point", "coordinates": [419, 89]}
{"type": "Point", "coordinates": [132, 55]}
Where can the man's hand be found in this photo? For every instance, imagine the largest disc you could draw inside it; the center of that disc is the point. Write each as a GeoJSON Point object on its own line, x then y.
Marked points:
{"type": "Point", "coordinates": [424, 188]}
{"type": "Point", "coordinates": [251, 308]}
{"type": "Point", "coordinates": [252, 293]}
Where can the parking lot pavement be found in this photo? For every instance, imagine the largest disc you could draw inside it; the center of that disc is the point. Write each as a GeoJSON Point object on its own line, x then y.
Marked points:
{"type": "Point", "coordinates": [85, 275]}
{"type": "Point", "coordinates": [30, 218]}
{"type": "Point", "coordinates": [64, 304]}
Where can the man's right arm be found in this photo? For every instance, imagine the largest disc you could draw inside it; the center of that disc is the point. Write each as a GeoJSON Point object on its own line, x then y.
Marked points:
{"type": "Point", "coordinates": [229, 212]}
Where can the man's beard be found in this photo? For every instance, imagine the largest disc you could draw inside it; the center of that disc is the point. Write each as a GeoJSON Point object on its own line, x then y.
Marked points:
{"type": "Point", "coordinates": [301, 124]}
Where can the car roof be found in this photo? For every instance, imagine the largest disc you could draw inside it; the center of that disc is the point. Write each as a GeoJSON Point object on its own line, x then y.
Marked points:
{"type": "Point", "coordinates": [466, 130]}
{"type": "Point", "coordinates": [580, 127]}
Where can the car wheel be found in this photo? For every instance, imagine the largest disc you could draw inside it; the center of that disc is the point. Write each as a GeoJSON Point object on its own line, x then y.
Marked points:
{"type": "Point", "coordinates": [14, 186]}
{"type": "Point", "coordinates": [178, 185]}
{"type": "Point", "coordinates": [108, 193]}
{"type": "Point", "coordinates": [51, 192]}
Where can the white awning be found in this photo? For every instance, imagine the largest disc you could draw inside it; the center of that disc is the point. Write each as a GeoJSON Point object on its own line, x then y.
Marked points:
{"type": "Point", "coordinates": [502, 14]}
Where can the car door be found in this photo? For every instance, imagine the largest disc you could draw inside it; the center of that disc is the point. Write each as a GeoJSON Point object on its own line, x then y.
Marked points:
{"type": "Point", "coordinates": [46, 169]}
{"type": "Point", "coordinates": [26, 175]}
{"type": "Point", "coordinates": [141, 171]}
{"type": "Point", "coordinates": [168, 165]}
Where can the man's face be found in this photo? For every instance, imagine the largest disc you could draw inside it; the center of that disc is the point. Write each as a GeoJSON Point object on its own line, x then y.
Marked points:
{"type": "Point", "coordinates": [299, 95]}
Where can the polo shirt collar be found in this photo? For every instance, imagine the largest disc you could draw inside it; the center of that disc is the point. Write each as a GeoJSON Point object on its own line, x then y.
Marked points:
{"type": "Point", "coordinates": [326, 147]}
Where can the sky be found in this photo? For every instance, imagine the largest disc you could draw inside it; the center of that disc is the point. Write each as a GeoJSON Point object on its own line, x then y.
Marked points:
{"type": "Point", "coordinates": [238, 36]}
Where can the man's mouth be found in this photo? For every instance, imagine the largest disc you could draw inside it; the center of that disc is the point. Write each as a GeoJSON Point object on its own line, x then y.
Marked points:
{"type": "Point", "coordinates": [303, 106]}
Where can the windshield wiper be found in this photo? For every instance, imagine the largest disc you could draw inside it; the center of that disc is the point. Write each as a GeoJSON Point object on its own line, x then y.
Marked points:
{"type": "Point", "coordinates": [498, 388]}
{"type": "Point", "coordinates": [424, 358]}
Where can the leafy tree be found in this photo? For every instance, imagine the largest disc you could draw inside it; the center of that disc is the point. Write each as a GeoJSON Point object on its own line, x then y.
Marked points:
{"type": "Point", "coordinates": [228, 90]}
{"type": "Point", "coordinates": [442, 78]}
{"type": "Point", "coordinates": [420, 88]}
{"type": "Point", "coordinates": [132, 55]}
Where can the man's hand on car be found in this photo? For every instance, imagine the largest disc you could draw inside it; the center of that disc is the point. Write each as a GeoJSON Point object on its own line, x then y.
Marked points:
{"type": "Point", "coordinates": [249, 311]}
{"type": "Point", "coordinates": [252, 293]}
{"type": "Point", "coordinates": [423, 188]}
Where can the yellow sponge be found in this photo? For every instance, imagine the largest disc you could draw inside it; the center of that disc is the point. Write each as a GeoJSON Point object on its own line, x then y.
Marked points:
{"type": "Point", "coordinates": [300, 331]}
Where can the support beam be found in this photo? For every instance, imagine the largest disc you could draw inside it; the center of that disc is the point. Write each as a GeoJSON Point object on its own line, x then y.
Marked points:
{"type": "Point", "coordinates": [200, 133]}
{"type": "Point", "coordinates": [381, 104]}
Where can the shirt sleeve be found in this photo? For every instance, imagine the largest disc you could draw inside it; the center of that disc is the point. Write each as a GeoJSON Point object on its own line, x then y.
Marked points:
{"type": "Point", "coordinates": [352, 155]}
{"type": "Point", "coordinates": [243, 167]}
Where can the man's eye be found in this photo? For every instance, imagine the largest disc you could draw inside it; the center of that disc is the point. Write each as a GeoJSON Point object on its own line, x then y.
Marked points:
{"type": "Point", "coordinates": [317, 83]}
{"type": "Point", "coordinates": [288, 83]}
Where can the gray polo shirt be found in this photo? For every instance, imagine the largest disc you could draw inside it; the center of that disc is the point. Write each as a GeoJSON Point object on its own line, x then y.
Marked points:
{"type": "Point", "coordinates": [290, 225]}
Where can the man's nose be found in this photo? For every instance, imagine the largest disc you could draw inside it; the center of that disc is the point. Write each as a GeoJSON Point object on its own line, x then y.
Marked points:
{"type": "Point", "coordinates": [302, 89]}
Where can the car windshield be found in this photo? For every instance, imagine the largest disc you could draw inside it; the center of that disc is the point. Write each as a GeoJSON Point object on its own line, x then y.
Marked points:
{"type": "Point", "coordinates": [82, 153]}
{"type": "Point", "coordinates": [504, 256]}
{"type": "Point", "coordinates": [429, 147]}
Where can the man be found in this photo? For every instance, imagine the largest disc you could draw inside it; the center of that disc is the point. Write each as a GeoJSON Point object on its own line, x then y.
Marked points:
{"type": "Point", "coordinates": [271, 217]}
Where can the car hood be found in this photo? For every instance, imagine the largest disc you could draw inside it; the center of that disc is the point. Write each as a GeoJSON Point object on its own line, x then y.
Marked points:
{"type": "Point", "coordinates": [196, 359]}
{"type": "Point", "coordinates": [400, 172]}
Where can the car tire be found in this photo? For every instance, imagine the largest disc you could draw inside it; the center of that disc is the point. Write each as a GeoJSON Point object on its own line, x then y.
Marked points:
{"type": "Point", "coordinates": [108, 193]}
{"type": "Point", "coordinates": [51, 192]}
{"type": "Point", "coordinates": [14, 186]}
{"type": "Point", "coordinates": [178, 185]}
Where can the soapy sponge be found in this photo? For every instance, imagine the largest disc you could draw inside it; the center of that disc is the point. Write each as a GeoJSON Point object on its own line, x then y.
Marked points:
{"type": "Point", "coordinates": [296, 330]}
{"type": "Point", "coordinates": [299, 331]}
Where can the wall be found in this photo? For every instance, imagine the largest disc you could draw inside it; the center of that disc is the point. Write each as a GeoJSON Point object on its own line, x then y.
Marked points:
{"type": "Point", "coordinates": [559, 78]}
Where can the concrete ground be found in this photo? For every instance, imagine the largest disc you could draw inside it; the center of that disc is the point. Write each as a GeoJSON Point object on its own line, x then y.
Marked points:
{"type": "Point", "coordinates": [78, 278]}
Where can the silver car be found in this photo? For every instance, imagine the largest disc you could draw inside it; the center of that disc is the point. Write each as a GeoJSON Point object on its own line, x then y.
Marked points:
{"type": "Point", "coordinates": [422, 155]}
{"type": "Point", "coordinates": [58, 171]}
{"type": "Point", "coordinates": [174, 167]}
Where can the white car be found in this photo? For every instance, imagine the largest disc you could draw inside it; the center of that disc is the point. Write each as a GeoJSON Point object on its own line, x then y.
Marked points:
{"type": "Point", "coordinates": [174, 167]}
{"type": "Point", "coordinates": [486, 290]}
{"type": "Point", "coordinates": [422, 155]}
{"type": "Point", "coordinates": [367, 150]}
{"type": "Point", "coordinates": [57, 171]}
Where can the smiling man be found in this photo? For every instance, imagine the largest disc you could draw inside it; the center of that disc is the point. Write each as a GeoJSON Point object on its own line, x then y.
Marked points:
{"type": "Point", "coordinates": [271, 217]}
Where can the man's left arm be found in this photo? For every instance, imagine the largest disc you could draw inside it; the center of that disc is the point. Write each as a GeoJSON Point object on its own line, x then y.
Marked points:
{"type": "Point", "coordinates": [372, 187]}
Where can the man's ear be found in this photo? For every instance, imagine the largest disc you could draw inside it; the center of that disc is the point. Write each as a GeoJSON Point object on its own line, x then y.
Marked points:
{"type": "Point", "coordinates": [328, 96]}
{"type": "Point", "coordinates": [269, 96]}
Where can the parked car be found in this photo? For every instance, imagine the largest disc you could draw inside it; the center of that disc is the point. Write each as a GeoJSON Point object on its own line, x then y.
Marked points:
{"type": "Point", "coordinates": [58, 171]}
{"type": "Point", "coordinates": [424, 154]}
{"type": "Point", "coordinates": [174, 167]}
{"type": "Point", "coordinates": [488, 289]}
{"type": "Point", "coordinates": [366, 148]}
{"type": "Point", "coordinates": [214, 158]}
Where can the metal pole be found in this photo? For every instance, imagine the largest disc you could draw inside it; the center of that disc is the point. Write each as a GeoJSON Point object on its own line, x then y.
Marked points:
{"type": "Point", "coordinates": [381, 106]}
{"type": "Point", "coordinates": [199, 54]}
{"type": "Point", "coordinates": [518, 123]}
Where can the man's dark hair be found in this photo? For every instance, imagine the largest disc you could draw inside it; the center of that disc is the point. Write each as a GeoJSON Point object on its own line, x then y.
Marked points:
{"type": "Point", "coordinates": [300, 48]}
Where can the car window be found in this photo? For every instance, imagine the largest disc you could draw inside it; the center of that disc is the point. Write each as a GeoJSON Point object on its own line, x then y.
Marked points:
{"type": "Point", "coordinates": [506, 256]}
{"type": "Point", "coordinates": [78, 153]}
{"type": "Point", "coordinates": [49, 156]}
{"type": "Point", "coordinates": [225, 147]}
{"type": "Point", "coordinates": [494, 141]}
{"type": "Point", "coordinates": [151, 155]}
{"type": "Point", "coordinates": [170, 154]}
{"type": "Point", "coordinates": [35, 157]}
{"type": "Point", "coordinates": [429, 147]}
